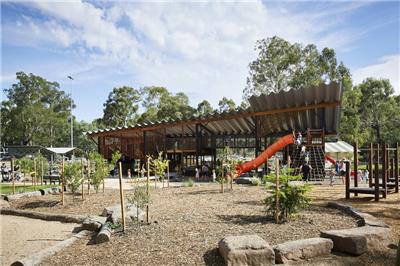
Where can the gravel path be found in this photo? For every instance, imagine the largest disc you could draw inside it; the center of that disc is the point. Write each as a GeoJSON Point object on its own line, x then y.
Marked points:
{"type": "Point", "coordinates": [22, 236]}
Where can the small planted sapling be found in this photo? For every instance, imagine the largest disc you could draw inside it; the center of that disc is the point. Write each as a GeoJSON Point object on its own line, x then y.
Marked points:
{"type": "Point", "coordinates": [73, 176]}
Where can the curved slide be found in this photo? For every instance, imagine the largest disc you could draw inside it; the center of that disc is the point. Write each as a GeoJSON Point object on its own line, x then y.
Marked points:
{"type": "Point", "coordinates": [267, 153]}
{"type": "Point", "coordinates": [330, 159]}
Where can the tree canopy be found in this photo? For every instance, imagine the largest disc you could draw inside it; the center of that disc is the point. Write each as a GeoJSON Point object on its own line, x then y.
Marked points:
{"type": "Point", "coordinates": [281, 65]}
{"type": "Point", "coordinates": [121, 107]}
{"type": "Point", "coordinates": [36, 111]}
{"type": "Point", "coordinates": [226, 105]}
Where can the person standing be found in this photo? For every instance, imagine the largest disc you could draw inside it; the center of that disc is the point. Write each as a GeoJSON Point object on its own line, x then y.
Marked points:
{"type": "Point", "coordinates": [197, 174]}
{"type": "Point", "coordinates": [306, 169]}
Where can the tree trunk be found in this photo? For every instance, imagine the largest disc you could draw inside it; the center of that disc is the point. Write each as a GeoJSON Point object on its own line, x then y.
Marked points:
{"type": "Point", "coordinates": [105, 233]}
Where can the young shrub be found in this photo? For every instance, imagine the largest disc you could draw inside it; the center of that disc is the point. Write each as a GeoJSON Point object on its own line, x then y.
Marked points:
{"type": "Point", "coordinates": [159, 166]}
{"type": "Point", "coordinates": [26, 166]}
{"type": "Point", "coordinates": [188, 183]}
{"type": "Point", "coordinates": [42, 165]}
{"type": "Point", "coordinates": [293, 197]}
{"type": "Point", "coordinates": [99, 170]}
{"type": "Point", "coordinates": [73, 176]}
{"type": "Point", "coordinates": [139, 198]}
{"type": "Point", "coordinates": [255, 181]}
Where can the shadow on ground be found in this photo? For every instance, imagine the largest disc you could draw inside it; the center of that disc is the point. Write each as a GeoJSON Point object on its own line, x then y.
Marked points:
{"type": "Point", "coordinates": [40, 204]}
{"type": "Point", "coordinates": [245, 219]}
{"type": "Point", "coordinates": [213, 258]}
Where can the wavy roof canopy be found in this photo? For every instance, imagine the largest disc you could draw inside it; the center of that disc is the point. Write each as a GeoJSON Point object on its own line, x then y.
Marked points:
{"type": "Point", "coordinates": [313, 107]}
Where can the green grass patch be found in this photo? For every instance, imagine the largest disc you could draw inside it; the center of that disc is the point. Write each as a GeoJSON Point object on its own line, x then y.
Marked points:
{"type": "Point", "coordinates": [6, 189]}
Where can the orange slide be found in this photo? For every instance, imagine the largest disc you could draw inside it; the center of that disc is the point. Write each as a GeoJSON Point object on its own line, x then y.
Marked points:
{"type": "Point", "coordinates": [267, 153]}
{"type": "Point", "coordinates": [329, 158]}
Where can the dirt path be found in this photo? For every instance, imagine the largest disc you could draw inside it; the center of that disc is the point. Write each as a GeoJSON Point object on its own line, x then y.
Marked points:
{"type": "Point", "coordinates": [22, 236]}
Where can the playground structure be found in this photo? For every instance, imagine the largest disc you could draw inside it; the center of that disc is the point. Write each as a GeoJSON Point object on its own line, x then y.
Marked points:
{"type": "Point", "coordinates": [193, 142]}
{"type": "Point", "coordinates": [383, 167]}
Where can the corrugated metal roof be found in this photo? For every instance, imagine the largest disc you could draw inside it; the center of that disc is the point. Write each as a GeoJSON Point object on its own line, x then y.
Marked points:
{"type": "Point", "coordinates": [242, 121]}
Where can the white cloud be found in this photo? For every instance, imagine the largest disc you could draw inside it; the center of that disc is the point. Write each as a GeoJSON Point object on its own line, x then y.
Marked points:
{"type": "Point", "coordinates": [388, 67]}
{"type": "Point", "coordinates": [200, 48]}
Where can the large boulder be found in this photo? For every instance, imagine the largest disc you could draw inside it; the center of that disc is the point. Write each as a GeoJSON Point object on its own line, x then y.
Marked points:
{"type": "Point", "coordinates": [359, 240]}
{"type": "Point", "coordinates": [93, 223]}
{"type": "Point", "coordinates": [246, 250]}
{"type": "Point", "coordinates": [302, 249]}
{"type": "Point", "coordinates": [131, 213]}
{"type": "Point", "coordinates": [4, 204]}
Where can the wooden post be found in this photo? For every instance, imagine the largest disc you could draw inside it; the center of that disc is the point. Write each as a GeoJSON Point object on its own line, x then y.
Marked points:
{"type": "Point", "coordinates": [83, 178]}
{"type": "Point", "coordinates": [88, 176]}
{"type": "Point", "coordinates": [222, 176]}
{"type": "Point", "coordinates": [355, 153]}
{"type": "Point", "coordinates": [148, 188]}
{"type": "Point", "coordinates": [396, 168]}
{"type": "Point", "coordinates": [104, 190]}
{"type": "Point", "coordinates": [121, 193]}
{"type": "Point", "coordinates": [277, 192]}
{"type": "Point", "coordinates": [168, 173]}
{"type": "Point", "coordinates": [347, 179]}
{"type": "Point", "coordinates": [12, 174]}
{"type": "Point", "coordinates": [371, 163]}
{"type": "Point", "coordinates": [62, 181]}
{"type": "Point", "coordinates": [35, 170]}
{"type": "Point", "coordinates": [384, 170]}
{"type": "Point", "coordinates": [41, 174]}
{"type": "Point", "coordinates": [376, 171]}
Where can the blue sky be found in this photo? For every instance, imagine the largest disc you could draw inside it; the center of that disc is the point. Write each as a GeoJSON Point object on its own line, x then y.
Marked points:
{"type": "Point", "coordinates": [202, 49]}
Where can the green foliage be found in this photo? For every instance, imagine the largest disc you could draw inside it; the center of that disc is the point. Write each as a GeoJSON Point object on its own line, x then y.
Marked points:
{"type": "Point", "coordinates": [371, 113]}
{"type": "Point", "coordinates": [73, 176]}
{"type": "Point", "coordinates": [42, 165]}
{"type": "Point", "coordinates": [188, 183]}
{"type": "Point", "coordinates": [26, 165]}
{"type": "Point", "coordinates": [204, 108]}
{"type": "Point", "coordinates": [139, 198]}
{"type": "Point", "coordinates": [292, 197]}
{"type": "Point", "coordinates": [226, 105]}
{"type": "Point", "coordinates": [160, 104]}
{"type": "Point", "coordinates": [255, 181]}
{"type": "Point", "coordinates": [116, 156]}
{"type": "Point", "coordinates": [281, 65]}
{"type": "Point", "coordinates": [99, 169]}
{"type": "Point", "coordinates": [35, 112]}
{"type": "Point", "coordinates": [159, 165]}
{"type": "Point", "coordinates": [121, 107]}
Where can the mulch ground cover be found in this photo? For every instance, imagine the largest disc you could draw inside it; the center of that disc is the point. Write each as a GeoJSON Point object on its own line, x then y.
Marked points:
{"type": "Point", "coordinates": [188, 222]}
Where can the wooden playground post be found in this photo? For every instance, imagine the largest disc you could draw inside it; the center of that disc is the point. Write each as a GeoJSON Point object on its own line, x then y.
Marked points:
{"type": "Point", "coordinates": [384, 170]}
{"type": "Point", "coordinates": [121, 193]}
{"type": "Point", "coordinates": [277, 192]}
{"type": "Point", "coordinates": [12, 174]}
{"type": "Point", "coordinates": [41, 174]}
{"type": "Point", "coordinates": [148, 188]}
{"type": "Point", "coordinates": [396, 170]}
{"type": "Point", "coordinates": [62, 181]}
{"type": "Point", "coordinates": [83, 177]}
{"type": "Point", "coordinates": [347, 179]}
{"type": "Point", "coordinates": [168, 173]}
{"type": "Point", "coordinates": [355, 166]}
{"type": "Point", "coordinates": [88, 176]}
{"type": "Point", "coordinates": [222, 176]}
{"type": "Point", "coordinates": [376, 171]}
{"type": "Point", "coordinates": [35, 172]}
{"type": "Point", "coordinates": [370, 164]}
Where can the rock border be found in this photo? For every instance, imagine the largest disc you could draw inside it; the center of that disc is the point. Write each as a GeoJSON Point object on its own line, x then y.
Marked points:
{"type": "Point", "coordinates": [298, 250]}
{"type": "Point", "coordinates": [40, 192]}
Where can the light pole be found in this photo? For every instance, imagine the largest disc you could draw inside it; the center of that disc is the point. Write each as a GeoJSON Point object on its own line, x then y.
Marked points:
{"type": "Point", "coordinates": [71, 118]}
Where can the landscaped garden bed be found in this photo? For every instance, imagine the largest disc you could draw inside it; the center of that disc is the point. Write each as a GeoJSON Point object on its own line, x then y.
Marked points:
{"type": "Point", "coordinates": [186, 225]}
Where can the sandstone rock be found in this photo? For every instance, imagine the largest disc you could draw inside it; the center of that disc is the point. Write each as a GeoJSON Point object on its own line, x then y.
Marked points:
{"type": "Point", "coordinates": [246, 250]}
{"type": "Point", "coordinates": [93, 223]}
{"type": "Point", "coordinates": [131, 213]}
{"type": "Point", "coordinates": [357, 241]}
{"type": "Point", "coordinates": [302, 249]}
{"type": "Point", "coordinates": [22, 195]}
{"type": "Point", "coordinates": [4, 204]}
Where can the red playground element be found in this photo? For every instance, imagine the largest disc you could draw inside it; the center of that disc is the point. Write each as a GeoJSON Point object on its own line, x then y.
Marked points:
{"type": "Point", "coordinates": [267, 153]}
{"type": "Point", "coordinates": [330, 159]}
